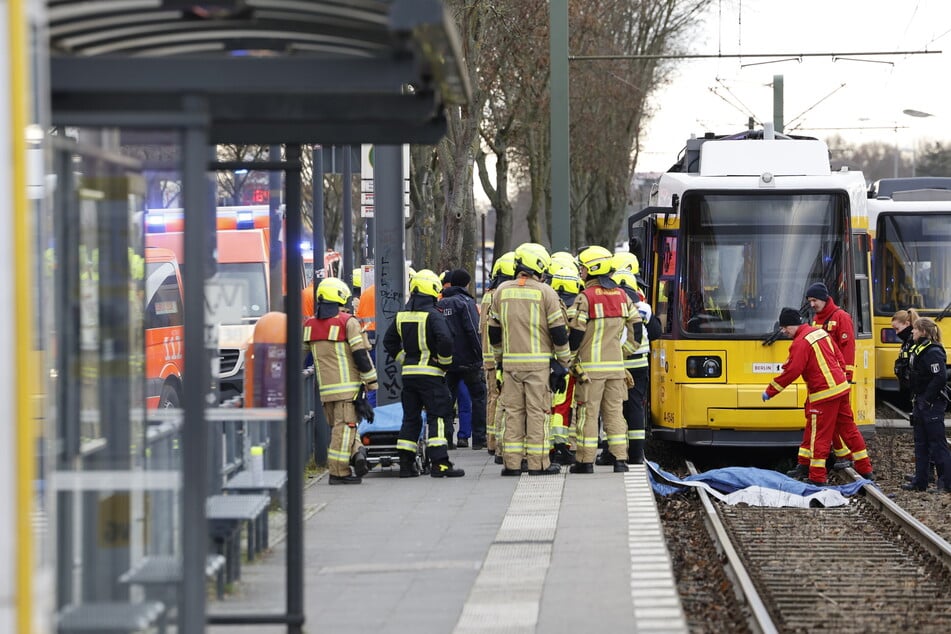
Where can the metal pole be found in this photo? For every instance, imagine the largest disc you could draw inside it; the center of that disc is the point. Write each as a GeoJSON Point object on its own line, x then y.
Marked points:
{"type": "Point", "coordinates": [485, 269]}
{"type": "Point", "coordinates": [778, 103]}
{"type": "Point", "coordinates": [276, 294]}
{"type": "Point", "coordinates": [347, 273]}
{"type": "Point", "coordinates": [295, 402]}
{"type": "Point", "coordinates": [389, 273]}
{"type": "Point", "coordinates": [199, 243]}
{"type": "Point", "coordinates": [321, 429]}
{"type": "Point", "coordinates": [560, 142]}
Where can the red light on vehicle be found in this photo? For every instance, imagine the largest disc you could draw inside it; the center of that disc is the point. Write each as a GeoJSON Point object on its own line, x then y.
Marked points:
{"type": "Point", "coordinates": [366, 439]}
{"type": "Point", "coordinates": [260, 196]}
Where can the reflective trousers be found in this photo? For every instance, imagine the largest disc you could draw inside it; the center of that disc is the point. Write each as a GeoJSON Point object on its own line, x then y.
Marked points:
{"type": "Point", "coordinates": [526, 399]}
{"type": "Point", "coordinates": [604, 397]}
{"type": "Point", "coordinates": [344, 441]}
{"type": "Point", "coordinates": [491, 399]}
{"type": "Point", "coordinates": [432, 394]}
{"type": "Point", "coordinates": [824, 421]}
{"type": "Point", "coordinates": [634, 415]}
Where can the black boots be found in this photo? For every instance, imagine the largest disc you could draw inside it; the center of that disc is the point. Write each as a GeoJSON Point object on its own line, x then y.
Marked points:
{"type": "Point", "coordinates": [551, 470]}
{"type": "Point", "coordinates": [801, 471]}
{"type": "Point", "coordinates": [359, 462]}
{"type": "Point", "coordinates": [620, 466]}
{"type": "Point", "coordinates": [347, 479]}
{"type": "Point", "coordinates": [582, 467]}
{"type": "Point", "coordinates": [408, 467]}
{"type": "Point", "coordinates": [635, 452]}
{"type": "Point", "coordinates": [445, 469]}
{"type": "Point", "coordinates": [604, 458]}
{"type": "Point", "coordinates": [562, 455]}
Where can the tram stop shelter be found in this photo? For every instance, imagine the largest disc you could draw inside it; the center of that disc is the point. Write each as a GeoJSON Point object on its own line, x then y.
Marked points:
{"type": "Point", "coordinates": [146, 87]}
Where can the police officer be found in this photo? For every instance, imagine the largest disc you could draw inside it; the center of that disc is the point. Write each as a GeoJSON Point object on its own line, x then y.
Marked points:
{"type": "Point", "coordinates": [341, 354]}
{"type": "Point", "coordinates": [461, 313]}
{"type": "Point", "coordinates": [527, 330]}
{"type": "Point", "coordinates": [902, 322]}
{"type": "Point", "coordinates": [420, 341]}
{"type": "Point", "coordinates": [927, 373]}
{"type": "Point", "coordinates": [838, 323]}
{"type": "Point", "coordinates": [502, 271]}
{"type": "Point", "coordinates": [567, 284]}
{"type": "Point", "coordinates": [815, 358]}
{"type": "Point", "coordinates": [603, 313]}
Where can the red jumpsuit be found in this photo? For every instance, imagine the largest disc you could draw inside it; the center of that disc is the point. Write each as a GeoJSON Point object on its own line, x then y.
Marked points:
{"type": "Point", "coordinates": [818, 361]}
{"type": "Point", "coordinates": [838, 323]}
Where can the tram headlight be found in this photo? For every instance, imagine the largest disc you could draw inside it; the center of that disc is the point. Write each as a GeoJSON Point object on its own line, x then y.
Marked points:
{"type": "Point", "coordinates": [890, 336]}
{"type": "Point", "coordinates": [704, 367]}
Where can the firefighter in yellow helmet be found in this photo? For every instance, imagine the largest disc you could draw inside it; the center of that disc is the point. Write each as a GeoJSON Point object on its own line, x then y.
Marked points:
{"type": "Point", "coordinates": [567, 284]}
{"type": "Point", "coordinates": [626, 261]}
{"type": "Point", "coordinates": [357, 277]}
{"type": "Point", "coordinates": [637, 366]}
{"type": "Point", "coordinates": [502, 271]}
{"type": "Point", "coordinates": [603, 313]}
{"type": "Point", "coordinates": [420, 341]}
{"type": "Point", "coordinates": [342, 359]}
{"type": "Point", "coordinates": [529, 340]}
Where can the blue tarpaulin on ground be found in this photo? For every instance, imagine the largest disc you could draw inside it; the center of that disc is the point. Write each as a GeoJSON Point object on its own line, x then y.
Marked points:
{"type": "Point", "coordinates": [754, 487]}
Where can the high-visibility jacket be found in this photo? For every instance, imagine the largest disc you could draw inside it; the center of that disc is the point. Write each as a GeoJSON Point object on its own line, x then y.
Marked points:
{"type": "Point", "coordinates": [838, 323]}
{"type": "Point", "coordinates": [815, 358]}
{"type": "Point", "coordinates": [366, 309]}
{"type": "Point", "coordinates": [527, 325]}
{"type": "Point", "coordinates": [340, 349]}
{"type": "Point", "coordinates": [602, 315]}
{"type": "Point", "coordinates": [488, 361]}
{"type": "Point", "coordinates": [419, 338]}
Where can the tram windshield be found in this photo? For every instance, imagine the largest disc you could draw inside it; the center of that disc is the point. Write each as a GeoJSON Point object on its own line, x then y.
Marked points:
{"type": "Point", "coordinates": [748, 255]}
{"type": "Point", "coordinates": [913, 267]}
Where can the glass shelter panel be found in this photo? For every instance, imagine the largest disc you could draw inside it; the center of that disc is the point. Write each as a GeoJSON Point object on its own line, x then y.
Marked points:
{"type": "Point", "coordinates": [748, 254]}
{"type": "Point", "coordinates": [116, 467]}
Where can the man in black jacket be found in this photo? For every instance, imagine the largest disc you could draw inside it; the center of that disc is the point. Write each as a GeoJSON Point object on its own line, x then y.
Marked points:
{"type": "Point", "coordinates": [420, 341]}
{"type": "Point", "coordinates": [460, 310]}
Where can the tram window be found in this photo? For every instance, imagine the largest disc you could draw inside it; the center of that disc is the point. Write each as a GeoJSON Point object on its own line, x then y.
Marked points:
{"type": "Point", "coordinates": [663, 307]}
{"type": "Point", "coordinates": [915, 262]}
{"type": "Point", "coordinates": [863, 311]}
{"type": "Point", "coordinates": [749, 254]}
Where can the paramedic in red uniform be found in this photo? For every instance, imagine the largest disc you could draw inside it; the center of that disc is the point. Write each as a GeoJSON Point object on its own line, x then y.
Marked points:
{"type": "Point", "coordinates": [818, 361]}
{"type": "Point", "coordinates": [838, 323]}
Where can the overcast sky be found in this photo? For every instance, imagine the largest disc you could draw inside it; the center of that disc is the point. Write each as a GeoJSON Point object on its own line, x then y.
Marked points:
{"type": "Point", "coordinates": [718, 95]}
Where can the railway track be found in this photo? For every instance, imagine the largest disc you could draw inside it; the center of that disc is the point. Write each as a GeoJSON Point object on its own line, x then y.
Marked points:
{"type": "Point", "coordinates": [865, 567]}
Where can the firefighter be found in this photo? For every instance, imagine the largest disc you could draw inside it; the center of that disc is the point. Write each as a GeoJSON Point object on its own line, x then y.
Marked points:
{"type": "Point", "coordinates": [528, 334]}
{"type": "Point", "coordinates": [420, 341]}
{"type": "Point", "coordinates": [818, 360]}
{"type": "Point", "coordinates": [838, 323]}
{"type": "Point", "coordinates": [567, 284]}
{"type": "Point", "coordinates": [342, 358]}
{"type": "Point", "coordinates": [356, 276]}
{"type": "Point", "coordinates": [927, 378]}
{"type": "Point", "coordinates": [502, 271]}
{"type": "Point", "coordinates": [637, 366]}
{"type": "Point", "coordinates": [603, 312]}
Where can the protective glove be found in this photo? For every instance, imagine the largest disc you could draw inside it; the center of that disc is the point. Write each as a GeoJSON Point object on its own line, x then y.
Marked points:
{"type": "Point", "coordinates": [498, 378]}
{"type": "Point", "coordinates": [362, 406]}
{"type": "Point", "coordinates": [557, 378]}
{"type": "Point", "coordinates": [765, 396]}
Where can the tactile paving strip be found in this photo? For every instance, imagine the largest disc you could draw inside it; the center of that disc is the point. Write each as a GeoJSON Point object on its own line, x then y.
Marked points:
{"type": "Point", "coordinates": [657, 605]}
{"type": "Point", "coordinates": [508, 590]}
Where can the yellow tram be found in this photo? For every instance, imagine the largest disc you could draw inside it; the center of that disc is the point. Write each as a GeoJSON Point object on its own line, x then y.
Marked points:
{"type": "Point", "coordinates": [735, 231]}
{"type": "Point", "coordinates": [910, 219]}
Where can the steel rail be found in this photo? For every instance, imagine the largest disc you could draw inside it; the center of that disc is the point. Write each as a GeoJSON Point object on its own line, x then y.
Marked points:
{"type": "Point", "coordinates": [759, 618]}
{"type": "Point", "coordinates": [927, 538]}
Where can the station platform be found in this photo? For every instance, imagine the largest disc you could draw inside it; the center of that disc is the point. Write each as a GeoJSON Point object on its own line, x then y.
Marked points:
{"type": "Point", "coordinates": [481, 553]}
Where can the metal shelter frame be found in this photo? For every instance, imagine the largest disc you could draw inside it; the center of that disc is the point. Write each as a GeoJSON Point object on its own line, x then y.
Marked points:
{"type": "Point", "coordinates": [263, 72]}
